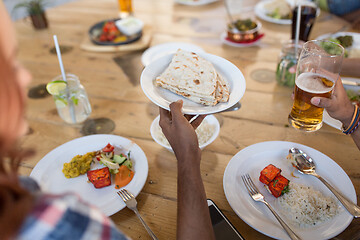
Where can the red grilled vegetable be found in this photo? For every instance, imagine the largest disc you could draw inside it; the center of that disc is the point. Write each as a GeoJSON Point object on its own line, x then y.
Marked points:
{"type": "Point", "coordinates": [269, 173]}
{"type": "Point", "coordinates": [100, 177]}
{"type": "Point", "coordinates": [279, 185]}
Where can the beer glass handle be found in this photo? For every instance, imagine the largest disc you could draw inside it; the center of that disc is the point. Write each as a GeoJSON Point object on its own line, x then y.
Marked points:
{"type": "Point", "coordinates": [87, 106]}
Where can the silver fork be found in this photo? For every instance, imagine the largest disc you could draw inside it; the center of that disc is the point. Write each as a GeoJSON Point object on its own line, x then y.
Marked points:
{"type": "Point", "coordinates": [131, 203]}
{"type": "Point", "coordinates": [258, 197]}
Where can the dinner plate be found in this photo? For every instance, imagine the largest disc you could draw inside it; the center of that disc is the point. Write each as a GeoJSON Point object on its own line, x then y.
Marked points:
{"type": "Point", "coordinates": [163, 97]}
{"type": "Point", "coordinates": [48, 171]}
{"type": "Point", "coordinates": [253, 159]}
{"type": "Point", "coordinates": [261, 12]}
{"type": "Point", "coordinates": [356, 40]}
{"type": "Point", "coordinates": [195, 2]}
{"type": "Point", "coordinates": [96, 29]}
{"type": "Point", "coordinates": [224, 40]}
{"type": "Point", "coordinates": [164, 49]}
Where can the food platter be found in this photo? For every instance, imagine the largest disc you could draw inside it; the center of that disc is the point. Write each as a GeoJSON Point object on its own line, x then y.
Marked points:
{"type": "Point", "coordinates": [261, 12]}
{"type": "Point", "coordinates": [163, 97]}
{"type": "Point", "coordinates": [195, 2]}
{"type": "Point", "coordinates": [253, 159]}
{"type": "Point", "coordinates": [96, 29]}
{"type": "Point", "coordinates": [356, 40]}
{"type": "Point", "coordinates": [48, 171]}
{"type": "Point", "coordinates": [164, 49]}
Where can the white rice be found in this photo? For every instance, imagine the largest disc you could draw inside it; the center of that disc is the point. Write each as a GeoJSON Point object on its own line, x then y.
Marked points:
{"type": "Point", "coordinates": [204, 132]}
{"type": "Point", "coordinates": [306, 206]}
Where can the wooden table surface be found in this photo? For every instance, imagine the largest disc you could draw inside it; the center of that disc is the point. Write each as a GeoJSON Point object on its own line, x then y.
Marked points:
{"type": "Point", "coordinates": [115, 94]}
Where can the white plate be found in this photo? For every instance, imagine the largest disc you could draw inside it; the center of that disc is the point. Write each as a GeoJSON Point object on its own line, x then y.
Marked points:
{"type": "Point", "coordinates": [211, 119]}
{"type": "Point", "coordinates": [261, 12]}
{"type": "Point", "coordinates": [195, 2]}
{"type": "Point", "coordinates": [163, 97]}
{"type": "Point", "coordinates": [161, 50]}
{"type": "Point", "coordinates": [356, 38]}
{"type": "Point", "coordinates": [223, 37]}
{"type": "Point", "coordinates": [253, 159]}
{"type": "Point", "coordinates": [48, 171]}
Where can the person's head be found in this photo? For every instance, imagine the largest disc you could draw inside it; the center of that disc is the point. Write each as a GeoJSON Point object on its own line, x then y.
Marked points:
{"type": "Point", "coordinates": [15, 201]}
{"type": "Point", "coordinates": [13, 80]}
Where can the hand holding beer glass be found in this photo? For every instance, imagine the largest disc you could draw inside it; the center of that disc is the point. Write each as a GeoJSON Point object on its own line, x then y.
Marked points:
{"type": "Point", "coordinates": [316, 74]}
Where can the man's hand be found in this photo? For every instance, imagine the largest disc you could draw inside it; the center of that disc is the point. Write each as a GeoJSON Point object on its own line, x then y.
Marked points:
{"type": "Point", "coordinates": [179, 132]}
{"type": "Point", "coordinates": [338, 106]}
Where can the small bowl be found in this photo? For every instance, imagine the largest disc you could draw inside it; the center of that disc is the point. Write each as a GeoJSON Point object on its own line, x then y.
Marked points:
{"type": "Point", "coordinates": [236, 35]}
{"type": "Point", "coordinates": [156, 132]}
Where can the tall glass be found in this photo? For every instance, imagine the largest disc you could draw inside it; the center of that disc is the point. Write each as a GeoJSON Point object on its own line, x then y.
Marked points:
{"type": "Point", "coordinates": [318, 69]}
{"type": "Point", "coordinates": [73, 106]}
{"type": "Point", "coordinates": [125, 8]}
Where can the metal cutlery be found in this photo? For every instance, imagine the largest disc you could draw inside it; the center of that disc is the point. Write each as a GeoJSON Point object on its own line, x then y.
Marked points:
{"type": "Point", "coordinates": [131, 203]}
{"type": "Point", "coordinates": [306, 165]}
{"type": "Point", "coordinates": [258, 197]}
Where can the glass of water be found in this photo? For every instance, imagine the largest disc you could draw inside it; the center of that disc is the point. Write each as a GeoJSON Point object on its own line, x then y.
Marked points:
{"type": "Point", "coordinates": [72, 102]}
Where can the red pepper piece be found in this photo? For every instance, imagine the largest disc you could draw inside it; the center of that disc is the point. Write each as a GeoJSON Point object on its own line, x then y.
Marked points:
{"type": "Point", "coordinates": [269, 173]}
{"type": "Point", "coordinates": [99, 177]}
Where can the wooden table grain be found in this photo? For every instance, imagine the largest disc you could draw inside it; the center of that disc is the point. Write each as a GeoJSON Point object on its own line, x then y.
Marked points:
{"type": "Point", "coordinates": [117, 96]}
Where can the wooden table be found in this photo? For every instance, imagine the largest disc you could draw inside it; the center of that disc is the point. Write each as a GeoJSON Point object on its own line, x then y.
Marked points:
{"type": "Point", "coordinates": [113, 95]}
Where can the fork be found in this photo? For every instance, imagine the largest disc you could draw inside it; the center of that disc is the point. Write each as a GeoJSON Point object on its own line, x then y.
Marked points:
{"type": "Point", "coordinates": [258, 197]}
{"type": "Point", "coordinates": [131, 203]}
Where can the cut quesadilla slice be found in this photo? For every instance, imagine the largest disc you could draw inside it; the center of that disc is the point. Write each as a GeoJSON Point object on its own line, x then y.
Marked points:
{"type": "Point", "coordinates": [193, 77]}
{"type": "Point", "coordinates": [223, 84]}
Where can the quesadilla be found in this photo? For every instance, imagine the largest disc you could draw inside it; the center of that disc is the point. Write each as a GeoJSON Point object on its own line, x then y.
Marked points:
{"type": "Point", "coordinates": [195, 78]}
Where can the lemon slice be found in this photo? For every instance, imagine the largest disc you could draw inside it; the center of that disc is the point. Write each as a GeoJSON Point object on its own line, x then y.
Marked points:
{"type": "Point", "coordinates": [60, 103]}
{"type": "Point", "coordinates": [55, 87]}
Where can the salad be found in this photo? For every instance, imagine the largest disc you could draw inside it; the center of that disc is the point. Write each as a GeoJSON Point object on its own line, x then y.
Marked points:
{"type": "Point", "coordinates": [116, 166]}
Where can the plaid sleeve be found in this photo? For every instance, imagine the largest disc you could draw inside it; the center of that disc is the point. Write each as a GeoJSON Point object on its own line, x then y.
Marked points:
{"type": "Point", "coordinates": [65, 216]}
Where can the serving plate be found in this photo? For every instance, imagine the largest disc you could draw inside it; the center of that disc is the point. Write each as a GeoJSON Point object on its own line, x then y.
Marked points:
{"type": "Point", "coordinates": [48, 171]}
{"type": "Point", "coordinates": [96, 29]}
{"type": "Point", "coordinates": [261, 12]}
{"type": "Point", "coordinates": [163, 97]}
{"type": "Point", "coordinates": [253, 159]}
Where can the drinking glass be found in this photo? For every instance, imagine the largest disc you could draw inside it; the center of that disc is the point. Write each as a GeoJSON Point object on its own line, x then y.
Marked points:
{"type": "Point", "coordinates": [307, 19]}
{"type": "Point", "coordinates": [72, 106]}
{"type": "Point", "coordinates": [125, 8]}
{"type": "Point", "coordinates": [318, 69]}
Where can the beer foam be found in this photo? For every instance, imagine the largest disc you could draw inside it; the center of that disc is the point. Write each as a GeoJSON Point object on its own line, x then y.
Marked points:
{"type": "Point", "coordinates": [311, 82]}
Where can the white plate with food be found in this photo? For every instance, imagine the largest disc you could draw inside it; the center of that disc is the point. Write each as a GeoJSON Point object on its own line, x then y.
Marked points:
{"type": "Point", "coordinates": [254, 158]}
{"type": "Point", "coordinates": [207, 132]}
{"type": "Point", "coordinates": [160, 50]}
{"type": "Point", "coordinates": [352, 44]}
{"type": "Point", "coordinates": [48, 171]}
{"type": "Point", "coordinates": [206, 83]}
{"type": "Point", "coordinates": [279, 11]}
{"type": "Point", "coordinates": [195, 2]}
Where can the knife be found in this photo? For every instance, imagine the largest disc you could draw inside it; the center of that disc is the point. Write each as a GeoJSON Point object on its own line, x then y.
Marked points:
{"type": "Point", "coordinates": [351, 83]}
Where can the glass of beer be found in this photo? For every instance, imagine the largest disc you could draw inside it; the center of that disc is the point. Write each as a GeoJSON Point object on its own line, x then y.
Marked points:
{"type": "Point", "coordinates": [125, 8]}
{"type": "Point", "coordinates": [318, 69]}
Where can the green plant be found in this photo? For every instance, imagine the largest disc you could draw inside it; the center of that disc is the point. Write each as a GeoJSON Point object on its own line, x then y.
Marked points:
{"type": "Point", "coordinates": [33, 7]}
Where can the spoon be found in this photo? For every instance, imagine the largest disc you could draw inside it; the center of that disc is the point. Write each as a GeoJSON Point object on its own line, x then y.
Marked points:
{"type": "Point", "coordinates": [306, 165]}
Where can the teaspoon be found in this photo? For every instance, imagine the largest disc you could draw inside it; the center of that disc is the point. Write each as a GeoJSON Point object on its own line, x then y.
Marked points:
{"type": "Point", "coordinates": [306, 165]}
